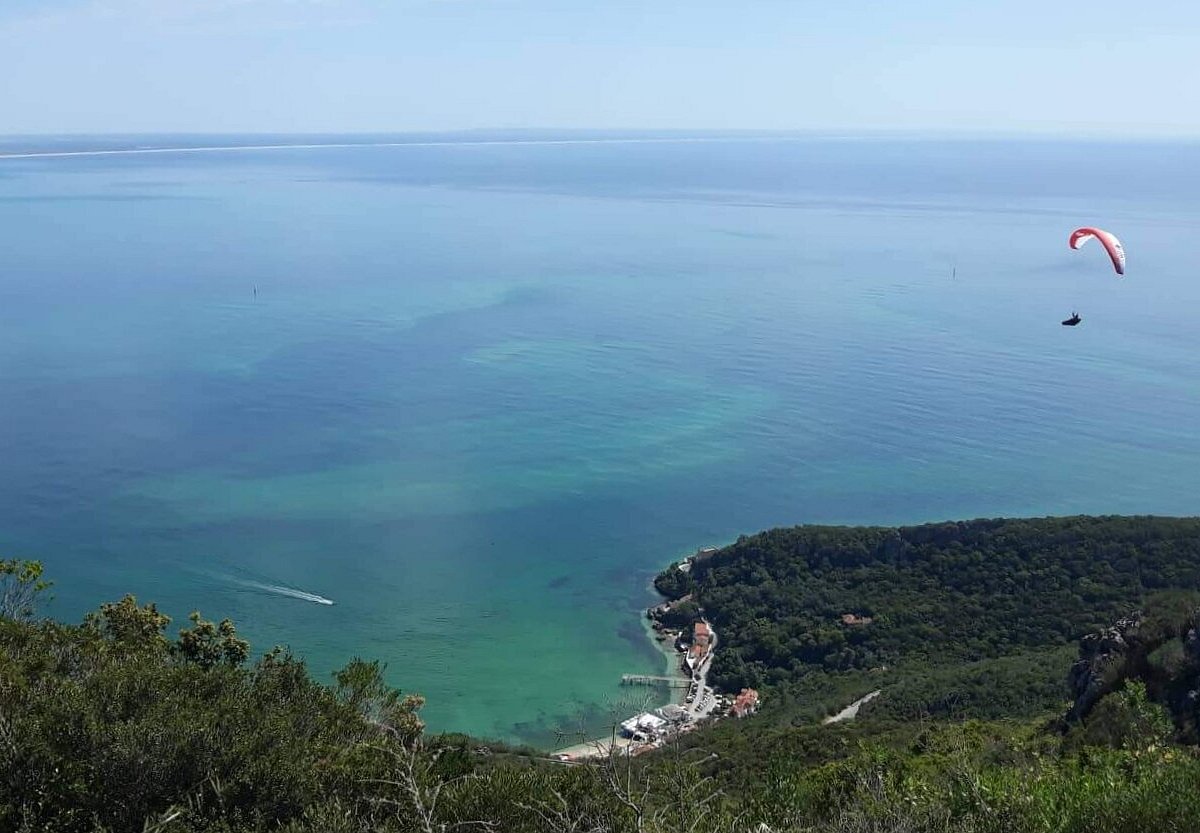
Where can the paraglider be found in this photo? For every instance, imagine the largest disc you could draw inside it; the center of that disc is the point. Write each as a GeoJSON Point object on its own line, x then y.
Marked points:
{"type": "Point", "coordinates": [1116, 252]}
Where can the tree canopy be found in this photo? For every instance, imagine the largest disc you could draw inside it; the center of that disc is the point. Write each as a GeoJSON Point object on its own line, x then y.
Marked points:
{"type": "Point", "coordinates": [792, 602]}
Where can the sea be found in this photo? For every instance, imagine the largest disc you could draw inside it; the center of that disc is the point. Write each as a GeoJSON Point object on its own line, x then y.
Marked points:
{"type": "Point", "coordinates": [476, 389]}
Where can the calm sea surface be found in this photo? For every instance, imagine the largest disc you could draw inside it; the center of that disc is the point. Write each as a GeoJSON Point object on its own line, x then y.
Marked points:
{"type": "Point", "coordinates": [477, 394]}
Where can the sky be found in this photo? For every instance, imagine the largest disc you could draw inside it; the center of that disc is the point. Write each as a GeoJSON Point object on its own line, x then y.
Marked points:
{"type": "Point", "coordinates": [1059, 67]}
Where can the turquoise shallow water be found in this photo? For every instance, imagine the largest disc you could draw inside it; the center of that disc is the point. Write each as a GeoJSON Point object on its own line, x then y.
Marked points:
{"type": "Point", "coordinates": [484, 392]}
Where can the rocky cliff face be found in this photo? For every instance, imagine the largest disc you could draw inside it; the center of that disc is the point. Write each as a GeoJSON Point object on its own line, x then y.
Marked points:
{"type": "Point", "coordinates": [1163, 653]}
{"type": "Point", "coordinates": [1106, 658]}
{"type": "Point", "coordinates": [1187, 699]}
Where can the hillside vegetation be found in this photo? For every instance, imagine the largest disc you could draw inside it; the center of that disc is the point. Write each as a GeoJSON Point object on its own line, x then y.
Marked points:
{"type": "Point", "coordinates": [974, 618]}
{"type": "Point", "coordinates": [124, 723]}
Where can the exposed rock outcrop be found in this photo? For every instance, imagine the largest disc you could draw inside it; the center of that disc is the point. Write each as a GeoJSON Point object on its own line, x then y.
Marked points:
{"type": "Point", "coordinates": [1105, 659]}
{"type": "Point", "coordinates": [1160, 648]}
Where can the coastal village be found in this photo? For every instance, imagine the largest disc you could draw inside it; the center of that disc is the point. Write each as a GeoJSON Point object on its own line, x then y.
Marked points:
{"type": "Point", "coordinates": [693, 647]}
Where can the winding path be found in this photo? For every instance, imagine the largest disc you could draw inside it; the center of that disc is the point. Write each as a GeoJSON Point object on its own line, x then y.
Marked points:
{"type": "Point", "coordinates": [851, 711]}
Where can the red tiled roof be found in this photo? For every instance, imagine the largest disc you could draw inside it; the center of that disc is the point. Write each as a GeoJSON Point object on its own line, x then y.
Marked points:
{"type": "Point", "coordinates": [745, 702]}
{"type": "Point", "coordinates": [747, 694]}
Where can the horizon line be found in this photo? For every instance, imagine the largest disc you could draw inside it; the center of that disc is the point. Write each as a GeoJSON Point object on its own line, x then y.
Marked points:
{"type": "Point", "coordinates": [714, 136]}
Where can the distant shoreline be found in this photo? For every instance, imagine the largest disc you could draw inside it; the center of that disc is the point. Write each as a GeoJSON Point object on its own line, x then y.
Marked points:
{"type": "Point", "coordinates": [649, 140]}
{"type": "Point", "coordinates": [32, 146]}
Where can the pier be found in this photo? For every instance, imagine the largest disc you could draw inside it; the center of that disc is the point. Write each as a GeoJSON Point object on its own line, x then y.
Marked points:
{"type": "Point", "coordinates": [651, 679]}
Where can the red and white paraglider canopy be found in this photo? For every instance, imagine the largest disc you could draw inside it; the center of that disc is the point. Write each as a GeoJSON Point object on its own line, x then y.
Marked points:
{"type": "Point", "coordinates": [1107, 239]}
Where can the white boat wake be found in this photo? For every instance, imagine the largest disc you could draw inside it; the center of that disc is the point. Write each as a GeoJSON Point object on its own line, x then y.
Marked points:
{"type": "Point", "coordinates": [291, 592]}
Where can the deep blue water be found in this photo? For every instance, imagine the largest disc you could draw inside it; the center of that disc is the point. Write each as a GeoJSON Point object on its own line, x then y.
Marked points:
{"type": "Point", "coordinates": [484, 391]}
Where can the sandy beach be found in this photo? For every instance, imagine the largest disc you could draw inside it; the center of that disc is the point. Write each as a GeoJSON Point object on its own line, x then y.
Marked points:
{"type": "Point", "coordinates": [599, 747]}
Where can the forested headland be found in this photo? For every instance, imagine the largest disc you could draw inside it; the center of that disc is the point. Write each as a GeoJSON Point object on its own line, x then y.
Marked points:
{"type": "Point", "coordinates": [1036, 675]}
{"type": "Point", "coordinates": [975, 618]}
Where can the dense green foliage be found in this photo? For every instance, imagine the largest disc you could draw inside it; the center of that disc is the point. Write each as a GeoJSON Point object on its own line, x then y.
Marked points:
{"type": "Point", "coordinates": [673, 582]}
{"type": "Point", "coordinates": [681, 615]}
{"type": "Point", "coordinates": [1020, 685]}
{"type": "Point", "coordinates": [952, 785]}
{"type": "Point", "coordinates": [938, 595]}
{"type": "Point", "coordinates": [106, 724]}
{"type": "Point", "coordinates": [115, 725]}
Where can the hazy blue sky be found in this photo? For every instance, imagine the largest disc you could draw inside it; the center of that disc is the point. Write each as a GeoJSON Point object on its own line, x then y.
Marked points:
{"type": "Point", "coordinates": [1102, 66]}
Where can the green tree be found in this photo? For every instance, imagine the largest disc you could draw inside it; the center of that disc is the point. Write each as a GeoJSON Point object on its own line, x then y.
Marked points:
{"type": "Point", "coordinates": [1128, 719]}
{"type": "Point", "coordinates": [129, 625]}
{"type": "Point", "coordinates": [362, 687]}
{"type": "Point", "coordinates": [209, 645]}
{"type": "Point", "coordinates": [20, 584]}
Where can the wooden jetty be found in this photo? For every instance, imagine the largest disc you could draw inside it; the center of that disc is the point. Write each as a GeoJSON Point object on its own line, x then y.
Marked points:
{"type": "Point", "coordinates": [651, 679]}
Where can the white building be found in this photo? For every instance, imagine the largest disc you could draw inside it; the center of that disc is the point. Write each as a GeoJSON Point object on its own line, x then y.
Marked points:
{"type": "Point", "coordinates": [643, 725]}
{"type": "Point", "coordinates": [673, 713]}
